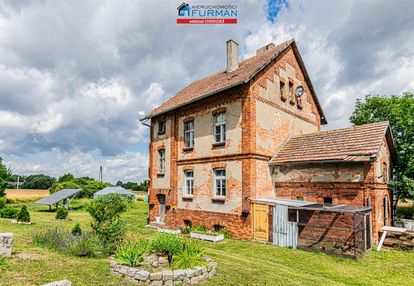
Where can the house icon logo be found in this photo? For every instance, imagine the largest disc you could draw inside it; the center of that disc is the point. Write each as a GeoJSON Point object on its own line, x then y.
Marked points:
{"type": "Point", "coordinates": [182, 9]}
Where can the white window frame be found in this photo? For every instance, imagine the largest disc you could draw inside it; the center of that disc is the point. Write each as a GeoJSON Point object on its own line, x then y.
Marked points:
{"type": "Point", "coordinates": [188, 183]}
{"type": "Point", "coordinates": [189, 134]}
{"type": "Point", "coordinates": [161, 162]}
{"type": "Point", "coordinates": [220, 120]}
{"type": "Point", "coordinates": [220, 189]}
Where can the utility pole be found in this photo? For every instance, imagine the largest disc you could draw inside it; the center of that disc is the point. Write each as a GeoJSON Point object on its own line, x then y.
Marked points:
{"type": "Point", "coordinates": [100, 173]}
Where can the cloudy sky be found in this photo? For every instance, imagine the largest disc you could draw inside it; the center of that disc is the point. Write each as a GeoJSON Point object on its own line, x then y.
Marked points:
{"type": "Point", "coordinates": [76, 76]}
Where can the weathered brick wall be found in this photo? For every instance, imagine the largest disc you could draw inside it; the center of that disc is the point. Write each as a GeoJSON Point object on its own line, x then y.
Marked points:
{"type": "Point", "coordinates": [354, 194]}
{"type": "Point", "coordinates": [237, 225]}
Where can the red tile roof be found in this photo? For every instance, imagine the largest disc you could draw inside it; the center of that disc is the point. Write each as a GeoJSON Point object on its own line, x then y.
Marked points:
{"type": "Point", "coordinates": [223, 80]}
{"type": "Point", "coordinates": [358, 143]}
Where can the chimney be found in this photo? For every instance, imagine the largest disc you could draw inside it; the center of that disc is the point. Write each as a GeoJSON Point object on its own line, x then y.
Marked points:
{"type": "Point", "coordinates": [265, 48]}
{"type": "Point", "coordinates": [232, 55]}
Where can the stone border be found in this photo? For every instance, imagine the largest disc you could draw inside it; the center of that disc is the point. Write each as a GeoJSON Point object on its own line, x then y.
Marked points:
{"type": "Point", "coordinates": [166, 277]}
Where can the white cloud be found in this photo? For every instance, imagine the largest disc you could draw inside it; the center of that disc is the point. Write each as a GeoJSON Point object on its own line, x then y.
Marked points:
{"type": "Point", "coordinates": [75, 78]}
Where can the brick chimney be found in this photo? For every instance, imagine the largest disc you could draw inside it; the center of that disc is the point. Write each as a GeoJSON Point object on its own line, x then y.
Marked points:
{"type": "Point", "coordinates": [232, 55]}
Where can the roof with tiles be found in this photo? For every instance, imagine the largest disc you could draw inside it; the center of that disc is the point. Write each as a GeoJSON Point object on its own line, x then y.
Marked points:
{"type": "Point", "coordinates": [356, 144]}
{"type": "Point", "coordinates": [223, 80]}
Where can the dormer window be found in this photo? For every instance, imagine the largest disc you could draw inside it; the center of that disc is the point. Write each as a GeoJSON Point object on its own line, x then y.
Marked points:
{"type": "Point", "coordinates": [161, 126]}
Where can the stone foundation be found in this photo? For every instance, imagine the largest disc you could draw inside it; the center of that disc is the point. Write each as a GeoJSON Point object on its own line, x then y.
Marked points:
{"type": "Point", "coordinates": [166, 277]}
{"type": "Point", "coordinates": [6, 244]}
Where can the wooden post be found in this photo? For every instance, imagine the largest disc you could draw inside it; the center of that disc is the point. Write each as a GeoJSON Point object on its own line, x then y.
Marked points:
{"type": "Point", "coordinates": [384, 234]}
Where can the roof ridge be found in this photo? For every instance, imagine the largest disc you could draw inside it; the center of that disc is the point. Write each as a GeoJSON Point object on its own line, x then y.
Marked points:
{"type": "Point", "coordinates": [340, 129]}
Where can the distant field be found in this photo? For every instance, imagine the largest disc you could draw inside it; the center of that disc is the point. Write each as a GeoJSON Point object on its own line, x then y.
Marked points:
{"type": "Point", "coordinates": [24, 195]}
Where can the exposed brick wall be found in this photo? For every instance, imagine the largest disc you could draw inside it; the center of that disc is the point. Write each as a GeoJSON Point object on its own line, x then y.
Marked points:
{"type": "Point", "coordinates": [355, 194]}
{"type": "Point", "coordinates": [237, 225]}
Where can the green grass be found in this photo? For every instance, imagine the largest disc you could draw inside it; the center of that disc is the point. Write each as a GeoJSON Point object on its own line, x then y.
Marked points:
{"type": "Point", "coordinates": [239, 262]}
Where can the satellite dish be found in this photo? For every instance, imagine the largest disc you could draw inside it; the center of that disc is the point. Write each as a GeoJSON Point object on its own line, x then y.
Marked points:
{"type": "Point", "coordinates": [299, 91]}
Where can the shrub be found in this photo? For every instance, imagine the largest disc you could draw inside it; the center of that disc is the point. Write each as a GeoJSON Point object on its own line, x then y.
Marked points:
{"type": "Point", "coordinates": [76, 230]}
{"type": "Point", "coordinates": [50, 238]}
{"type": "Point", "coordinates": [200, 228]}
{"type": "Point", "coordinates": [167, 244]}
{"type": "Point", "coordinates": [186, 230]}
{"type": "Point", "coordinates": [23, 215]}
{"type": "Point", "coordinates": [3, 202]}
{"type": "Point", "coordinates": [62, 241]}
{"type": "Point", "coordinates": [189, 256]}
{"type": "Point", "coordinates": [84, 245]}
{"type": "Point", "coordinates": [9, 212]}
{"type": "Point", "coordinates": [405, 212]}
{"type": "Point", "coordinates": [106, 222]}
{"type": "Point", "coordinates": [61, 213]}
{"type": "Point", "coordinates": [221, 230]}
{"type": "Point", "coordinates": [131, 253]}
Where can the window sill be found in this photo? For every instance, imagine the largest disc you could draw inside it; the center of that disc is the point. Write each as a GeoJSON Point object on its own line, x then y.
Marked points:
{"type": "Point", "coordinates": [218, 199]}
{"type": "Point", "coordinates": [160, 175]}
{"type": "Point", "coordinates": [187, 198]}
{"type": "Point", "coordinates": [283, 98]}
{"type": "Point", "coordinates": [188, 149]}
{"type": "Point", "coordinates": [292, 102]}
{"type": "Point", "coordinates": [219, 145]}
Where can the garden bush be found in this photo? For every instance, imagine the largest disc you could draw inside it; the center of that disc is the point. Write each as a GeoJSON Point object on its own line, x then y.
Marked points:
{"type": "Point", "coordinates": [76, 230]}
{"type": "Point", "coordinates": [106, 222]}
{"type": "Point", "coordinates": [3, 202]}
{"type": "Point", "coordinates": [63, 241]}
{"type": "Point", "coordinates": [23, 215]}
{"type": "Point", "coordinates": [61, 213]}
{"type": "Point", "coordinates": [8, 212]}
{"type": "Point", "coordinates": [167, 244]}
{"type": "Point", "coordinates": [188, 257]}
{"type": "Point", "coordinates": [131, 253]}
{"type": "Point", "coordinates": [84, 245]}
{"type": "Point", "coordinates": [200, 228]}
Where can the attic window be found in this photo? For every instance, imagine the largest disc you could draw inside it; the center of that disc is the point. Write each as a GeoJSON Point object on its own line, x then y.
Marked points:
{"type": "Point", "coordinates": [161, 126]}
{"type": "Point", "coordinates": [291, 93]}
{"type": "Point", "coordinates": [327, 201]}
{"type": "Point", "coordinates": [282, 91]}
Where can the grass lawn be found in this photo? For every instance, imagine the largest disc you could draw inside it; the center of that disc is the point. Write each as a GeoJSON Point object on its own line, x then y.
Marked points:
{"type": "Point", "coordinates": [239, 262]}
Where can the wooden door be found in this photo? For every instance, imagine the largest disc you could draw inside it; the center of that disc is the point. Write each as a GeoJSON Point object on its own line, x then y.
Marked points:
{"type": "Point", "coordinates": [261, 222]}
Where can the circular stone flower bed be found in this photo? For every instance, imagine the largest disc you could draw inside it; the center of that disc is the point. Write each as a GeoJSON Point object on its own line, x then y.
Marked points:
{"type": "Point", "coordinates": [166, 277]}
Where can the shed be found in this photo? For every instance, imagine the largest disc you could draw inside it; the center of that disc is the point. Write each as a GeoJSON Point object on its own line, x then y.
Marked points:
{"type": "Point", "coordinates": [113, 190]}
{"type": "Point", "coordinates": [340, 229]}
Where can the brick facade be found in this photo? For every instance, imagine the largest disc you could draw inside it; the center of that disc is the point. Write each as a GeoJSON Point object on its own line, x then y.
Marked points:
{"type": "Point", "coordinates": [261, 122]}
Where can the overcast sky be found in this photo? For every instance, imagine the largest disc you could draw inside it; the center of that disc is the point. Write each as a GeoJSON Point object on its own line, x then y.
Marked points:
{"type": "Point", "coordinates": [76, 76]}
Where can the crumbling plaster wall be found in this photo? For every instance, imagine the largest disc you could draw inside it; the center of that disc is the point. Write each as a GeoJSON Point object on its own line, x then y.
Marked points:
{"type": "Point", "coordinates": [202, 199]}
{"type": "Point", "coordinates": [160, 141]}
{"type": "Point", "coordinates": [204, 130]}
{"type": "Point", "coordinates": [344, 172]}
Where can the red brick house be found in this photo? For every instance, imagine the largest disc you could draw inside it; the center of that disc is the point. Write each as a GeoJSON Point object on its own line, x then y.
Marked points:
{"type": "Point", "coordinates": [229, 147]}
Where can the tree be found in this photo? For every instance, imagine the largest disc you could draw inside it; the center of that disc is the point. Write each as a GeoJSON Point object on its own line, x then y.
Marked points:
{"type": "Point", "coordinates": [399, 112]}
{"type": "Point", "coordinates": [63, 185]}
{"type": "Point", "coordinates": [4, 177]}
{"type": "Point", "coordinates": [66, 178]}
{"type": "Point", "coordinates": [38, 182]}
{"type": "Point", "coordinates": [119, 183]}
{"type": "Point", "coordinates": [106, 222]}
